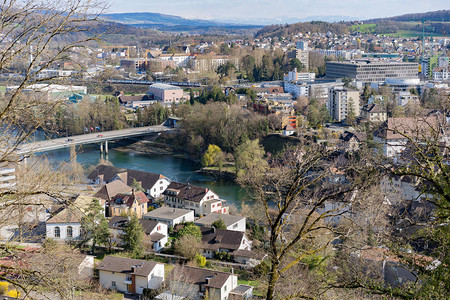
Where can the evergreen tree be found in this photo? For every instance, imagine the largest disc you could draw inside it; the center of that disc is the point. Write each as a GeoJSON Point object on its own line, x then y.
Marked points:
{"type": "Point", "coordinates": [94, 225]}
{"type": "Point", "coordinates": [133, 236]}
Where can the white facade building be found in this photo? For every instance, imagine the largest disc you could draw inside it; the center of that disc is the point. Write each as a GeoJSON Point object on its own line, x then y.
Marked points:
{"type": "Point", "coordinates": [130, 275]}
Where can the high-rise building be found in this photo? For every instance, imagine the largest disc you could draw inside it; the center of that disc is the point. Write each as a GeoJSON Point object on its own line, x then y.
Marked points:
{"type": "Point", "coordinates": [372, 70]}
{"type": "Point", "coordinates": [302, 45]}
{"type": "Point", "coordinates": [301, 55]}
{"type": "Point", "coordinates": [341, 101]}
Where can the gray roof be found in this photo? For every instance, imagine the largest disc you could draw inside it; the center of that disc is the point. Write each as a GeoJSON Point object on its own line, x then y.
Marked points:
{"type": "Point", "coordinates": [167, 213]}
{"type": "Point", "coordinates": [241, 289]}
{"type": "Point", "coordinates": [198, 276]}
{"type": "Point", "coordinates": [215, 239]}
{"type": "Point", "coordinates": [124, 265]}
{"type": "Point", "coordinates": [211, 218]}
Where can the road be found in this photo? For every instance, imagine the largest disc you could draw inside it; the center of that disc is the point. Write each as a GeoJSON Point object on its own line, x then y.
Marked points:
{"type": "Point", "coordinates": [89, 138]}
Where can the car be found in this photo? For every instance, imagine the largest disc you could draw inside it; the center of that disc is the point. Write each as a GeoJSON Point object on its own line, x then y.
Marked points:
{"type": "Point", "coordinates": [100, 135]}
{"type": "Point", "coordinates": [69, 140]}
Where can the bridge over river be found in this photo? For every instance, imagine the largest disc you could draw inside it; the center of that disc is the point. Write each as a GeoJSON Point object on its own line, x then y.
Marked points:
{"type": "Point", "coordinates": [91, 138]}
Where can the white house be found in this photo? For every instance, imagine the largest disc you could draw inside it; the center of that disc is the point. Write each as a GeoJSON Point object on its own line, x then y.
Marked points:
{"type": "Point", "coordinates": [218, 285]}
{"type": "Point", "coordinates": [153, 184]}
{"type": "Point", "coordinates": [128, 275]}
{"type": "Point", "coordinates": [66, 225]}
{"type": "Point", "coordinates": [170, 216]}
{"type": "Point", "coordinates": [235, 223]}
{"type": "Point", "coordinates": [221, 240]}
{"type": "Point", "coordinates": [156, 231]}
{"type": "Point", "coordinates": [199, 199]}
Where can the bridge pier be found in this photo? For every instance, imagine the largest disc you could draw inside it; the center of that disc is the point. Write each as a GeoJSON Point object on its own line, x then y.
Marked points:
{"type": "Point", "coordinates": [106, 148]}
{"type": "Point", "coordinates": [101, 148]}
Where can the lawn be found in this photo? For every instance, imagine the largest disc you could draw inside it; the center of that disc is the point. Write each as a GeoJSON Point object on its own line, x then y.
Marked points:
{"type": "Point", "coordinates": [364, 28]}
{"type": "Point", "coordinates": [257, 289]}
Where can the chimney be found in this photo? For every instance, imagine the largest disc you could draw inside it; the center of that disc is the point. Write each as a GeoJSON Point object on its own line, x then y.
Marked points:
{"type": "Point", "coordinates": [208, 279]}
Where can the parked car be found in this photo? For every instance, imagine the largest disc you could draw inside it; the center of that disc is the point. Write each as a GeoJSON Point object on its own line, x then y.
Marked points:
{"type": "Point", "coordinates": [69, 140]}
{"type": "Point", "coordinates": [100, 135]}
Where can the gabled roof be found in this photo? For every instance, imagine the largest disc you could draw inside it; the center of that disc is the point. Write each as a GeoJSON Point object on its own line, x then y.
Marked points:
{"type": "Point", "coordinates": [200, 276]}
{"type": "Point", "coordinates": [215, 239]}
{"type": "Point", "coordinates": [128, 199]}
{"type": "Point", "coordinates": [187, 191]}
{"type": "Point", "coordinates": [347, 136]}
{"type": "Point", "coordinates": [107, 173]}
{"type": "Point", "coordinates": [119, 222]}
{"type": "Point", "coordinates": [108, 191]}
{"type": "Point", "coordinates": [374, 108]}
{"type": "Point", "coordinates": [209, 219]}
{"type": "Point", "coordinates": [74, 212]}
{"type": "Point", "coordinates": [124, 265]}
{"type": "Point", "coordinates": [167, 213]}
{"type": "Point", "coordinates": [398, 128]}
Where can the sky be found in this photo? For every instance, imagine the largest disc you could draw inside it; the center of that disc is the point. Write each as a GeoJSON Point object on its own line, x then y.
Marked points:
{"type": "Point", "coordinates": [255, 9]}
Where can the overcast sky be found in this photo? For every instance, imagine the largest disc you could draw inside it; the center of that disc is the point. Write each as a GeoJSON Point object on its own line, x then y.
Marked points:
{"type": "Point", "coordinates": [249, 9]}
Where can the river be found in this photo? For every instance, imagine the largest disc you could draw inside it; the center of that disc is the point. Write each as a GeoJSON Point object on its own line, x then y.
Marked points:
{"type": "Point", "coordinates": [175, 168]}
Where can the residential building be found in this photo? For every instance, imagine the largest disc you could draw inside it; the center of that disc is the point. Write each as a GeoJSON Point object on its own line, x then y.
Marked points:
{"type": "Point", "coordinates": [374, 113]}
{"type": "Point", "coordinates": [7, 175]}
{"type": "Point", "coordinates": [128, 275]}
{"type": "Point", "coordinates": [351, 140]}
{"type": "Point", "coordinates": [221, 240]}
{"type": "Point", "coordinates": [132, 203]}
{"type": "Point", "coordinates": [156, 231]}
{"type": "Point", "coordinates": [372, 70]}
{"type": "Point", "coordinates": [201, 200]}
{"type": "Point", "coordinates": [241, 292]}
{"type": "Point", "coordinates": [404, 97]}
{"type": "Point", "coordinates": [66, 224]}
{"type": "Point", "coordinates": [321, 90]}
{"type": "Point", "coordinates": [288, 130]}
{"type": "Point", "coordinates": [301, 55]}
{"type": "Point", "coordinates": [402, 188]}
{"type": "Point", "coordinates": [107, 192]}
{"type": "Point", "coordinates": [170, 216]}
{"type": "Point", "coordinates": [299, 76]}
{"type": "Point", "coordinates": [166, 93]}
{"type": "Point", "coordinates": [232, 222]}
{"type": "Point", "coordinates": [297, 89]}
{"type": "Point", "coordinates": [441, 74]}
{"type": "Point", "coordinates": [341, 101]}
{"type": "Point", "coordinates": [393, 134]}
{"type": "Point", "coordinates": [194, 283]}
{"type": "Point", "coordinates": [153, 184]}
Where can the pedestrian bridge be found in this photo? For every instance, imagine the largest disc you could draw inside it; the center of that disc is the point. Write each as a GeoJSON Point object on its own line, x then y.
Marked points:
{"type": "Point", "coordinates": [90, 138]}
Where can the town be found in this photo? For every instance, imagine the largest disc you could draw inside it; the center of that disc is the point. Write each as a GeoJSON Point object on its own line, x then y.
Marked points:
{"type": "Point", "coordinates": [297, 161]}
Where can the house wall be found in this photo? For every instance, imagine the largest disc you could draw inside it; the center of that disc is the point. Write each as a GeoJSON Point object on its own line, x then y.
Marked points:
{"type": "Point", "coordinates": [228, 286]}
{"type": "Point", "coordinates": [159, 188]}
{"type": "Point", "coordinates": [106, 278]}
{"type": "Point", "coordinates": [86, 268]}
{"type": "Point", "coordinates": [50, 230]}
{"type": "Point", "coordinates": [238, 226]}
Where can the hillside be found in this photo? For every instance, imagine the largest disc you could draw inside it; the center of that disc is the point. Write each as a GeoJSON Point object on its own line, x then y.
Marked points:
{"type": "Point", "coordinates": [438, 16]}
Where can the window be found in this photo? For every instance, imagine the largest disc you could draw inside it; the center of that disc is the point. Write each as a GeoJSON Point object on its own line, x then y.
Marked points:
{"type": "Point", "coordinates": [57, 232]}
{"type": "Point", "coordinates": [69, 232]}
{"type": "Point", "coordinates": [235, 225]}
{"type": "Point", "coordinates": [113, 284]}
{"type": "Point", "coordinates": [161, 188]}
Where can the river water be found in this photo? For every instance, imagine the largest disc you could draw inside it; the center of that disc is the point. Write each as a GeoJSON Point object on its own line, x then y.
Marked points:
{"type": "Point", "coordinates": [175, 168]}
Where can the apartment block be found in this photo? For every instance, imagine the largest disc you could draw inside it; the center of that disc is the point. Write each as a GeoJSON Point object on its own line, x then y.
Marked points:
{"type": "Point", "coordinates": [340, 101]}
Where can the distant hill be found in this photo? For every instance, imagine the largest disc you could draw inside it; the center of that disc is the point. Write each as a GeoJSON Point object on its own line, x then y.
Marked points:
{"type": "Point", "coordinates": [438, 16]}
{"type": "Point", "coordinates": [147, 18]}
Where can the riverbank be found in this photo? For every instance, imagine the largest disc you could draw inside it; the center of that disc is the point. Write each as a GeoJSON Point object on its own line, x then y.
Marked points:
{"type": "Point", "coordinates": [152, 147]}
{"type": "Point", "coordinates": [227, 173]}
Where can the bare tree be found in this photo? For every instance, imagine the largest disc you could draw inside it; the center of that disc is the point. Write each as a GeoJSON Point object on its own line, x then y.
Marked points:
{"type": "Point", "coordinates": [294, 192]}
{"type": "Point", "coordinates": [40, 35]}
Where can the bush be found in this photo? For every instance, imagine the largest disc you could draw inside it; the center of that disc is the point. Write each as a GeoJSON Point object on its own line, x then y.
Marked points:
{"type": "Point", "coordinates": [201, 260]}
{"type": "Point", "coordinates": [222, 255]}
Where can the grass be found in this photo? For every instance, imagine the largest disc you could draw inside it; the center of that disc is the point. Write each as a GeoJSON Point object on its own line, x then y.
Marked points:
{"type": "Point", "coordinates": [364, 28]}
{"type": "Point", "coordinates": [275, 143]}
{"type": "Point", "coordinates": [411, 33]}
{"type": "Point", "coordinates": [257, 289]}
